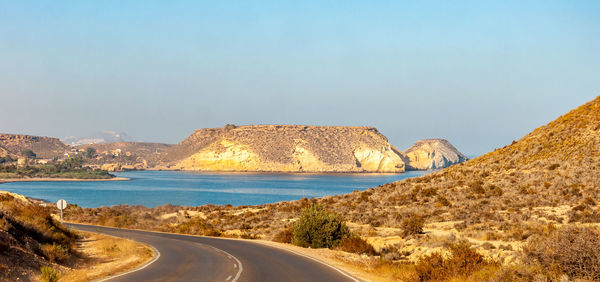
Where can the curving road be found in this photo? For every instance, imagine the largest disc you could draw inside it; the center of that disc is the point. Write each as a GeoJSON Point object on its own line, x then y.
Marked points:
{"type": "Point", "coordinates": [193, 258]}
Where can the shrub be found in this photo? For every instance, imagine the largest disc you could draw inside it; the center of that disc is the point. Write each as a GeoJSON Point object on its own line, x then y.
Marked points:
{"type": "Point", "coordinates": [412, 225]}
{"type": "Point", "coordinates": [318, 228]}
{"type": "Point", "coordinates": [49, 274]}
{"type": "Point", "coordinates": [357, 245]}
{"type": "Point", "coordinates": [28, 154]}
{"type": "Point", "coordinates": [55, 252]}
{"type": "Point", "coordinates": [461, 262]}
{"type": "Point", "coordinates": [284, 236]}
{"type": "Point", "coordinates": [443, 201]}
{"type": "Point", "coordinates": [553, 166]}
{"type": "Point", "coordinates": [574, 251]}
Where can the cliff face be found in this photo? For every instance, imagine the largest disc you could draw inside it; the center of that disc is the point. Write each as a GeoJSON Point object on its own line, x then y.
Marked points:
{"type": "Point", "coordinates": [285, 148]}
{"type": "Point", "coordinates": [432, 154]}
{"type": "Point", "coordinates": [43, 147]}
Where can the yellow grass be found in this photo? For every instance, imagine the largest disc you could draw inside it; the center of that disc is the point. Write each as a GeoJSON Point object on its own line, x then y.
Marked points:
{"type": "Point", "coordinates": [101, 256]}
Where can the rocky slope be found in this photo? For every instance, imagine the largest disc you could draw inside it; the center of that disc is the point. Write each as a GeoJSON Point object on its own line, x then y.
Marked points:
{"type": "Point", "coordinates": [432, 154]}
{"type": "Point", "coordinates": [285, 148]}
{"type": "Point", "coordinates": [43, 147]}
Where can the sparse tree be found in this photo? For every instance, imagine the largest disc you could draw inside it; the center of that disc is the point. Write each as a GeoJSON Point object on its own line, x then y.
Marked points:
{"type": "Point", "coordinates": [28, 154]}
{"type": "Point", "coordinates": [90, 152]}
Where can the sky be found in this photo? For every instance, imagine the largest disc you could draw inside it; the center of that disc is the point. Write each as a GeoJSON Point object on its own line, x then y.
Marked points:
{"type": "Point", "coordinates": [478, 73]}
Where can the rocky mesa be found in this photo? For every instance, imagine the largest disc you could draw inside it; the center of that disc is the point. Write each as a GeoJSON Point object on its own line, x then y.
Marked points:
{"type": "Point", "coordinates": [285, 148]}
{"type": "Point", "coordinates": [432, 154]}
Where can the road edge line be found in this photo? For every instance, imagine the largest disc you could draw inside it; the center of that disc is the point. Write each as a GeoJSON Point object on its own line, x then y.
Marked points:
{"type": "Point", "coordinates": [314, 259]}
{"type": "Point", "coordinates": [157, 255]}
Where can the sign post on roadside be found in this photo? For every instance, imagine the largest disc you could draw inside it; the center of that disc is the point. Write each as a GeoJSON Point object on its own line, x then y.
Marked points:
{"type": "Point", "coordinates": [61, 204]}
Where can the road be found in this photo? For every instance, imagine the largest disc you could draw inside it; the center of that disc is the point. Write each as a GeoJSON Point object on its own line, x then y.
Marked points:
{"type": "Point", "coordinates": [194, 258]}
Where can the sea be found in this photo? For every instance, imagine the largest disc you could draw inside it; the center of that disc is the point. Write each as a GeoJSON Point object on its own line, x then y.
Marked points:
{"type": "Point", "coordinates": [157, 188]}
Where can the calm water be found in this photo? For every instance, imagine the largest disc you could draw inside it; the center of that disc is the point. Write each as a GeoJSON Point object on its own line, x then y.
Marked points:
{"type": "Point", "coordinates": [155, 188]}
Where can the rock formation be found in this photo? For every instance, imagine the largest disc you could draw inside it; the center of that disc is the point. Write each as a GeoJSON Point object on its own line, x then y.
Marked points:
{"type": "Point", "coordinates": [285, 148]}
{"type": "Point", "coordinates": [432, 154]}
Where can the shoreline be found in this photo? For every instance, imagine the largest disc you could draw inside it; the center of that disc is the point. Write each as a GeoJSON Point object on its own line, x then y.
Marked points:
{"type": "Point", "coordinates": [49, 179]}
{"type": "Point", "coordinates": [291, 172]}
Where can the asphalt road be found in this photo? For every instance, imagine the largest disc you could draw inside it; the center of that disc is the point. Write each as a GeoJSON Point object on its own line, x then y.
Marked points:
{"type": "Point", "coordinates": [193, 258]}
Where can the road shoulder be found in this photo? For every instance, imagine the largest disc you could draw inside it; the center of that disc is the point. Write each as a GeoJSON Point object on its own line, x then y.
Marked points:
{"type": "Point", "coordinates": [100, 256]}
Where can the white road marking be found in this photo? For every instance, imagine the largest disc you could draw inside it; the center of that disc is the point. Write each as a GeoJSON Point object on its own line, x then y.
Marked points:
{"type": "Point", "coordinates": [237, 276]}
{"type": "Point", "coordinates": [136, 269]}
{"type": "Point", "coordinates": [317, 260]}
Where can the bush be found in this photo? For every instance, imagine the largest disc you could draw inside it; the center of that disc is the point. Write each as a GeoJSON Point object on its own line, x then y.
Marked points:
{"type": "Point", "coordinates": [412, 225]}
{"type": "Point", "coordinates": [90, 152]}
{"type": "Point", "coordinates": [284, 236]}
{"type": "Point", "coordinates": [461, 262]}
{"type": "Point", "coordinates": [318, 228]}
{"type": "Point", "coordinates": [574, 251]}
{"type": "Point", "coordinates": [357, 245]}
{"type": "Point", "coordinates": [55, 252]}
{"type": "Point", "coordinates": [49, 274]}
{"type": "Point", "coordinates": [28, 154]}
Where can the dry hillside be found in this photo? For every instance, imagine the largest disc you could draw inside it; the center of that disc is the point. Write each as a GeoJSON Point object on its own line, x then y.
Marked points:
{"type": "Point", "coordinates": [29, 239]}
{"type": "Point", "coordinates": [122, 155]}
{"type": "Point", "coordinates": [497, 202]}
{"type": "Point", "coordinates": [43, 147]}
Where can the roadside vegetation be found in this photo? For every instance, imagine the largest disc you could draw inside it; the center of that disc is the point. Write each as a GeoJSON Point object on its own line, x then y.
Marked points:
{"type": "Point", "coordinates": [34, 246]}
{"type": "Point", "coordinates": [68, 168]}
{"type": "Point", "coordinates": [30, 239]}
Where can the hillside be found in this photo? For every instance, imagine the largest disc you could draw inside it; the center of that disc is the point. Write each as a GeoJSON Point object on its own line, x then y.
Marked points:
{"type": "Point", "coordinates": [432, 154]}
{"type": "Point", "coordinates": [286, 148]}
{"type": "Point", "coordinates": [29, 238]}
{"type": "Point", "coordinates": [497, 203]}
{"type": "Point", "coordinates": [125, 155]}
{"type": "Point", "coordinates": [43, 147]}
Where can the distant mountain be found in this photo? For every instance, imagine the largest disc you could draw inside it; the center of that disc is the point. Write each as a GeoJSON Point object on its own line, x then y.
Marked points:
{"type": "Point", "coordinates": [108, 136]}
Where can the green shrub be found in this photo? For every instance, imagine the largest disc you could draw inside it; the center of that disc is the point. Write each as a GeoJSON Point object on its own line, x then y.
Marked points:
{"type": "Point", "coordinates": [49, 274]}
{"type": "Point", "coordinates": [318, 228]}
{"type": "Point", "coordinates": [28, 154]}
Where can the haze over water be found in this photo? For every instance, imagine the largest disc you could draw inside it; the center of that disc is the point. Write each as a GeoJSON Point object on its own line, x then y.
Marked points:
{"type": "Point", "coordinates": [155, 188]}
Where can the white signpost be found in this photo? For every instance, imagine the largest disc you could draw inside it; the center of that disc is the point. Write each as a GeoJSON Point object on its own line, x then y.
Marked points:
{"type": "Point", "coordinates": [61, 204]}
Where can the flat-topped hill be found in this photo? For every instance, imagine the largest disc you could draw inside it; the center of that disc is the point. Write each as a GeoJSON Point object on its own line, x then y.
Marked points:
{"type": "Point", "coordinates": [43, 147]}
{"type": "Point", "coordinates": [286, 148]}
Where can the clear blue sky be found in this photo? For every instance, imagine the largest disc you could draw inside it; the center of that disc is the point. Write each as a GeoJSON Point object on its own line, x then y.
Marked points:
{"type": "Point", "coordinates": [479, 73]}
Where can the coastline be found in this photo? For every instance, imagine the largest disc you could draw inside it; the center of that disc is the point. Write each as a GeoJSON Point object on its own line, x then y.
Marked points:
{"type": "Point", "coordinates": [49, 179]}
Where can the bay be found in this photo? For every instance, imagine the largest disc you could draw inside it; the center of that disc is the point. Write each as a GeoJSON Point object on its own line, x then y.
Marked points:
{"type": "Point", "coordinates": [156, 188]}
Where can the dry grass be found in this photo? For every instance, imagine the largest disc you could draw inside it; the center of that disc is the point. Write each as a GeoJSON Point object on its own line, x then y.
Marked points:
{"type": "Point", "coordinates": [101, 256]}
